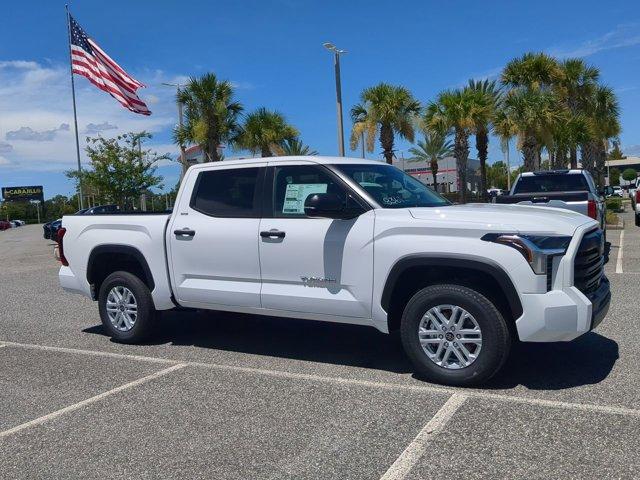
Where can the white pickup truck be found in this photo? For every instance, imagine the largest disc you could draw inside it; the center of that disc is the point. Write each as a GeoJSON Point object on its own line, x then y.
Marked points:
{"type": "Point", "coordinates": [346, 240]}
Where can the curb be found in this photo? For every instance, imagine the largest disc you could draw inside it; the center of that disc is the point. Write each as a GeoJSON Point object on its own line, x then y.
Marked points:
{"type": "Point", "coordinates": [617, 226]}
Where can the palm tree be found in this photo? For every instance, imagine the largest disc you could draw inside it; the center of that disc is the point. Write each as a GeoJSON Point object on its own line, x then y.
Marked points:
{"type": "Point", "coordinates": [532, 71]}
{"type": "Point", "coordinates": [455, 110]}
{"type": "Point", "coordinates": [295, 146]}
{"type": "Point", "coordinates": [487, 94]}
{"type": "Point", "coordinates": [435, 147]}
{"type": "Point", "coordinates": [505, 129]}
{"type": "Point", "coordinates": [211, 115]}
{"type": "Point", "coordinates": [530, 102]}
{"type": "Point", "coordinates": [575, 87]}
{"type": "Point", "coordinates": [265, 131]}
{"type": "Point", "coordinates": [603, 113]}
{"type": "Point", "coordinates": [386, 110]}
{"type": "Point", "coordinates": [534, 114]}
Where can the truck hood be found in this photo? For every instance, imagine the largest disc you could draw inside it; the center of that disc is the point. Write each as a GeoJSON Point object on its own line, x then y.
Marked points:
{"type": "Point", "coordinates": [506, 218]}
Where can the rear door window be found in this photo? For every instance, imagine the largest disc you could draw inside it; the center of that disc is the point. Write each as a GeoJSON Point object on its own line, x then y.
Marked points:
{"type": "Point", "coordinates": [551, 183]}
{"type": "Point", "coordinates": [228, 192]}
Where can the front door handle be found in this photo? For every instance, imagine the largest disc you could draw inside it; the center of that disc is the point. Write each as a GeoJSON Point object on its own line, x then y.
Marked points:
{"type": "Point", "coordinates": [185, 232]}
{"type": "Point", "coordinates": [272, 234]}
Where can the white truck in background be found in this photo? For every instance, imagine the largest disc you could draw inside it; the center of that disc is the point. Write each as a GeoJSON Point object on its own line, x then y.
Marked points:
{"type": "Point", "coordinates": [346, 240]}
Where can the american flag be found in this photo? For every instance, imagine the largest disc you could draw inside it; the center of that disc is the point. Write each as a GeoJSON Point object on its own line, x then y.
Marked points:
{"type": "Point", "coordinates": [89, 60]}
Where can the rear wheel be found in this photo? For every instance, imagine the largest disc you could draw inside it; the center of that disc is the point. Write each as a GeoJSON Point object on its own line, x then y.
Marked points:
{"type": "Point", "coordinates": [454, 335]}
{"type": "Point", "coordinates": [126, 307]}
{"type": "Point", "coordinates": [637, 220]}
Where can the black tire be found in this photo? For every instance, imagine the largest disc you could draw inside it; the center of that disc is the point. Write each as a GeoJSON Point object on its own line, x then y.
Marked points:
{"type": "Point", "coordinates": [496, 339]}
{"type": "Point", "coordinates": [145, 308]}
{"type": "Point", "coordinates": [637, 220]}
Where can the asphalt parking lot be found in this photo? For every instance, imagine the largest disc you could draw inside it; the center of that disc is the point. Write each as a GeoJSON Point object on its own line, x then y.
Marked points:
{"type": "Point", "coordinates": [241, 397]}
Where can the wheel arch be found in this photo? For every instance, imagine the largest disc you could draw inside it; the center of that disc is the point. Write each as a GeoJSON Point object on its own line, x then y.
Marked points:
{"type": "Point", "coordinates": [414, 272]}
{"type": "Point", "coordinates": [106, 259]}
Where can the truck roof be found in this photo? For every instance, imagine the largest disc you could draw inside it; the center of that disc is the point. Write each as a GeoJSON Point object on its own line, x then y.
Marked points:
{"type": "Point", "coordinates": [309, 158]}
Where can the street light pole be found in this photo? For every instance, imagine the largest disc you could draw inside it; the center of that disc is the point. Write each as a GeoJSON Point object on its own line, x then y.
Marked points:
{"type": "Point", "coordinates": [183, 160]}
{"type": "Point", "coordinates": [336, 62]}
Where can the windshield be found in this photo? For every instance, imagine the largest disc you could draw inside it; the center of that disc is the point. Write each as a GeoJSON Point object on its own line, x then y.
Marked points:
{"type": "Point", "coordinates": [391, 187]}
{"type": "Point", "coordinates": [552, 183]}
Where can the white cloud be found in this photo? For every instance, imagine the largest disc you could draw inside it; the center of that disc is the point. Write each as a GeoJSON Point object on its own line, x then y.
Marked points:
{"type": "Point", "coordinates": [36, 101]}
{"type": "Point", "coordinates": [4, 161]}
{"type": "Point", "coordinates": [30, 135]}
{"type": "Point", "coordinates": [624, 35]}
{"type": "Point", "coordinates": [22, 64]}
{"type": "Point", "coordinates": [242, 85]}
{"type": "Point", "coordinates": [94, 128]}
{"type": "Point", "coordinates": [633, 150]}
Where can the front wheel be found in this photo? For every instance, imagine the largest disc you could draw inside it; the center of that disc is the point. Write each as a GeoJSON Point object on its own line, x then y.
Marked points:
{"type": "Point", "coordinates": [454, 335]}
{"type": "Point", "coordinates": [126, 307]}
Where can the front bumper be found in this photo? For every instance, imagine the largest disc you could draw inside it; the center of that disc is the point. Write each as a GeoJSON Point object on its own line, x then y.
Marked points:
{"type": "Point", "coordinates": [562, 315]}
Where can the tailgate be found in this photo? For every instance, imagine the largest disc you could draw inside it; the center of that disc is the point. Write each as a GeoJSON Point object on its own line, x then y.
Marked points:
{"type": "Point", "coordinates": [575, 201]}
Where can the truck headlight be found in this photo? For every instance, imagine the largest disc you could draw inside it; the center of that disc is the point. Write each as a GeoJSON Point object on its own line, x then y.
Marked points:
{"type": "Point", "coordinates": [536, 249]}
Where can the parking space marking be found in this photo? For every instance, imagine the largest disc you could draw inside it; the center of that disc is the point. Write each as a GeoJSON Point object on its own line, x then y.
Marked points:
{"type": "Point", "coordinates": [88, 401]}
{"type": "Point", "coordinates": [619, 260]}
{"type": "Point", "coordinates": [126, 356]}
{"type": "Point", "coordinates": [606, 409]}
{"type": "Point", "coordinates": [416, 449]}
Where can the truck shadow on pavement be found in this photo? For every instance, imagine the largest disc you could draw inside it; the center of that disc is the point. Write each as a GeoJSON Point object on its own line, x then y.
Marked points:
{"type": "Point", "coordinates": [537, 366]}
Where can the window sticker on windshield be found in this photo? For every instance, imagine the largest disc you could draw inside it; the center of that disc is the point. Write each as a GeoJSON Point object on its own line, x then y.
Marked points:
{"type": "Point", "coordinates": [297, 193]}
{"type": "Point", "coordinates": [391, 200]}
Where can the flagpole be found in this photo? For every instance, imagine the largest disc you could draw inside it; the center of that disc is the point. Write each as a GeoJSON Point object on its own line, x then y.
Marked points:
{"type": "Point", "coordinates": [75, 115]}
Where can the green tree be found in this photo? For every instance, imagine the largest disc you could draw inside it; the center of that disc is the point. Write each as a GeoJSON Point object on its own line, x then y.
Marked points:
{"type": "Point", "coordinates": [211, 115]}
{"type": "Point", "coordinates": [576, 84]}
{"type": "Point", "coordinates": [384, 110]}
{"type": "Point", "coordinates": [532, 71]}
{"type": "Point", "coordinates": [435, 147]}
{"type": "Point", "coordinates": [497, 175]}
{"type": "Point", "coordinates": [120, 169]}
{"type": "Point", "coordinates": [455, 110]}
{"type": "Point", "coordinates": [534, 109]}
{"type": "Point", "coordinates": [265, 131]}
{"type": "Point", "coordinates": [294, 147]}
{"type": "Point", "coordinates": [603, 113]}
{"type": "Point", "coordinates": [616, 153]}
{"type": "Point", "coordinates": [629, 174]}
{"type": "Point", "coordinates": [487, 97]}
{"type": "Point", "coordinates": [534, 114]}
{"type": "Point", "coordinates": [614, 177]}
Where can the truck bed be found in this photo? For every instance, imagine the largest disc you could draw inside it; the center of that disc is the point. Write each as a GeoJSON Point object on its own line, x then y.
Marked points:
{"type": "Point", "coordinates": [142, 231]}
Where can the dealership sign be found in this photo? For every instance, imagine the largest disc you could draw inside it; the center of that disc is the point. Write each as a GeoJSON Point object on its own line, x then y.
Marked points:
{"type": "Point", "coordinates": [22, 194]}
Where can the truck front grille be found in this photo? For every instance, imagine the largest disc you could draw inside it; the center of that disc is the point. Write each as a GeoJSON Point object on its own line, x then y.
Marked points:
{"type": "Point", "coordinates": [589, 262]}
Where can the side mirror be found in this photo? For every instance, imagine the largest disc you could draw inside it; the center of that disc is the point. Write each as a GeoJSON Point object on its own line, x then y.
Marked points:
{"type": "Point", "coordinates": [324, 205]}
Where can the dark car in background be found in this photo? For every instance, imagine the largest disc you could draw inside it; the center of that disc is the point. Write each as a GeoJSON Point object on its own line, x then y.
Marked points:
{"type": "Point", "coordinates": [51, 229]}
{"type": "Point", "coordinates": [4, 225]}
{"type": "Point", "coordinates": [100, 209]}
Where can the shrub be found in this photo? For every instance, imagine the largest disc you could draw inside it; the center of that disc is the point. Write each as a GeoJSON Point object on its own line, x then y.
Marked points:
{"type": "Point", "coordinates": [611, 218]}
{"type": "Point", "coordinates": [614, 204]}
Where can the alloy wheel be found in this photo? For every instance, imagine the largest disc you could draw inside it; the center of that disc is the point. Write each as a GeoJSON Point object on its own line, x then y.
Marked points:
{"type": "Point", "coordinates": [450, 336]}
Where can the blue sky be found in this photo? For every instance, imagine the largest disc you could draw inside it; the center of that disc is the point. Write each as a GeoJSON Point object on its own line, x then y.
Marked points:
{"type": "Point", "coordinates": [272, 51]}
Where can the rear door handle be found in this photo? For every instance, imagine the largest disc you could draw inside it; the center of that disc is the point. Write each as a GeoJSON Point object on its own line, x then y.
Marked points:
{"type": "Point", "coordinates": [185, 232]}
{"type": "Point", "coordinates": [272, 234]}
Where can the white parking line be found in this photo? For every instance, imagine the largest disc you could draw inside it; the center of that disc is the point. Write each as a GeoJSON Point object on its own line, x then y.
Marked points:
{"type": "Point", "coordinates": [619, 260]}
{"type": "Point", "coordinates": [586, 407]}
{"type": "Point", "coordinates": [88, 401]}
{"type": "Point", "coordinates": [414, 451]}
{"type": "Point", "coordinates": [47, 348]}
